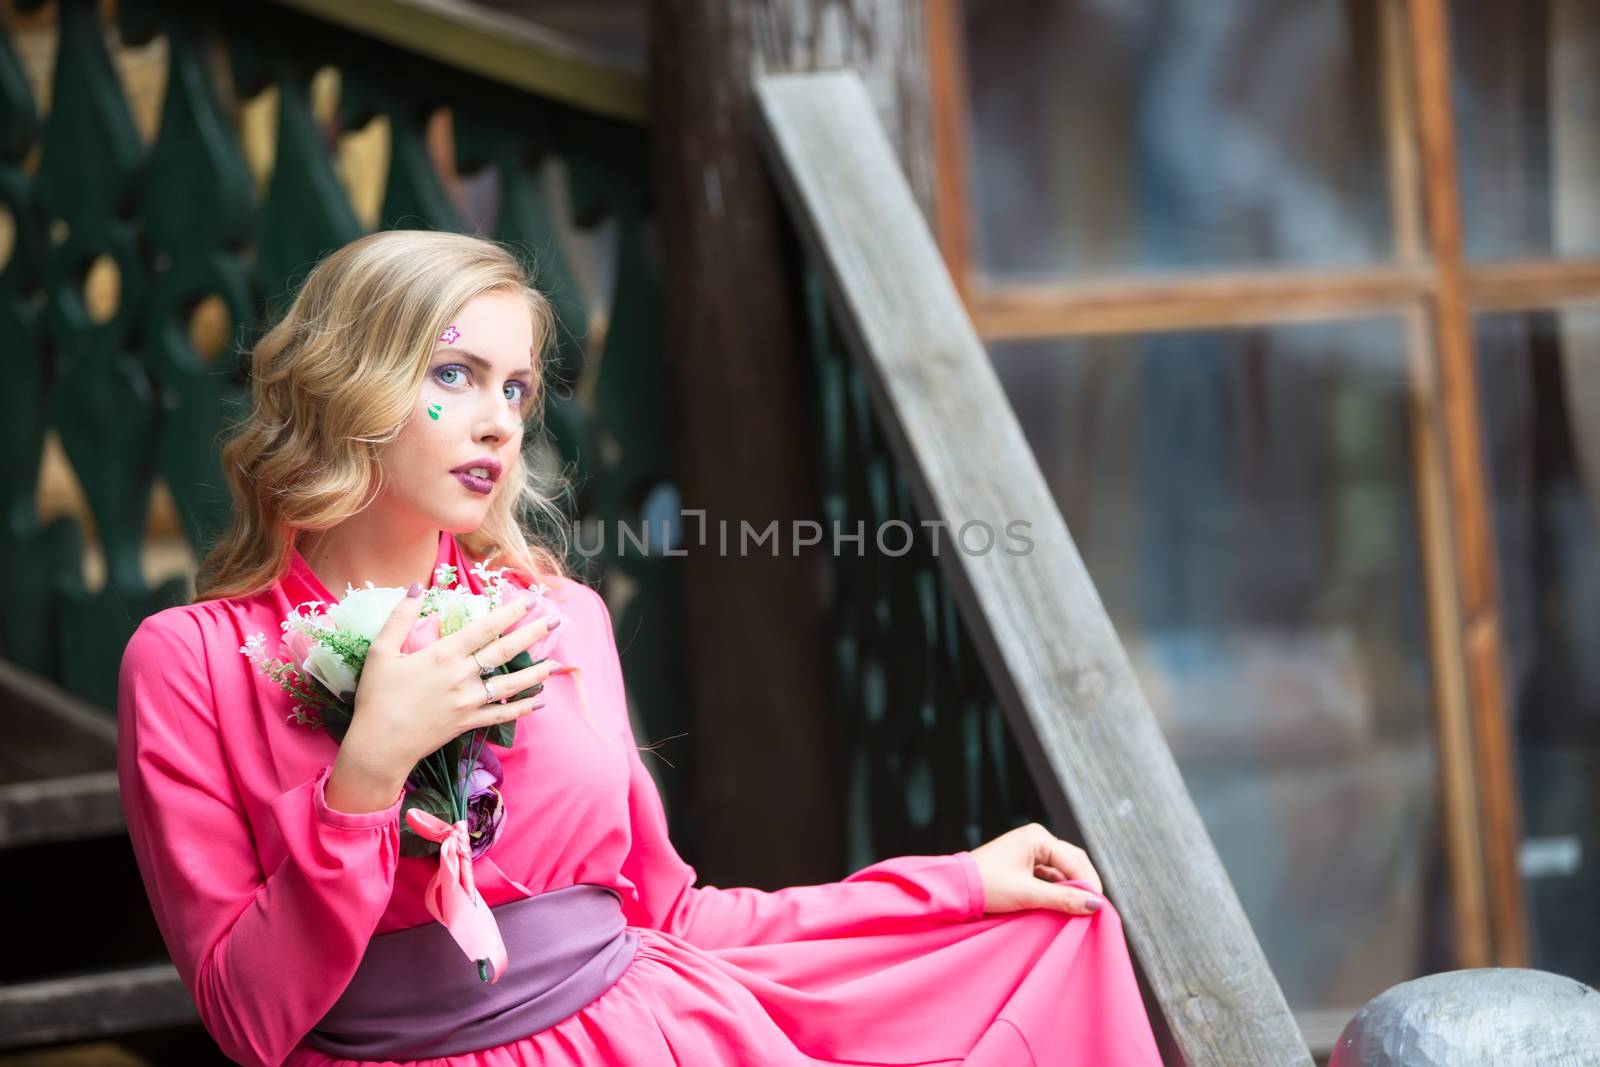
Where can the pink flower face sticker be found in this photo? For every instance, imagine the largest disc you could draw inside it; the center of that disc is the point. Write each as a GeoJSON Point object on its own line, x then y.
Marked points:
{"type": "Point", "coordinates": [450, 335]}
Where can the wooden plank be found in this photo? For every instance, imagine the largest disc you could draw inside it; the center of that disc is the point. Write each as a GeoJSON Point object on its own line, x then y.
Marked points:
{"type": "Point", "coordinates": [1143, 304]}
{"type": "Point", "coordinates": [495, 45]}
{"type": "Point", "coordinates": [89, 1006]}
{"type": "Point", "coordinates": [68, 808]}
{"type": "Point", "coordinates": [1475, 565]}
{"type": "Point", "coordinates": [735, 327]}
{"type": "Point", "coordinates": [947, 83]}
{"type": "Point", "coordinates": [46, 731]}
{"type": "Point", "coordinates": [1530, 285]}
{"type": "Point", "coordinates": [1089, 737]}
{"type": "Point", "coordinates": [1193, 302]}
{"type": "Point", "coordinates": [1463, 838]}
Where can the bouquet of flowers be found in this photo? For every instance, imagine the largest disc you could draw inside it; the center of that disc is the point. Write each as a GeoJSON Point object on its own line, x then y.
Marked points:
{"type": "Point", "coordinates": [453, 806]}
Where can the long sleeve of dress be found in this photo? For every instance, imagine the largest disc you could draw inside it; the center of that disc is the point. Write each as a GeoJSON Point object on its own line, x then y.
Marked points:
{"type": "Point", "coordinates": [264, 953]}
{"type": "Point", "coordinates": [893, 894]}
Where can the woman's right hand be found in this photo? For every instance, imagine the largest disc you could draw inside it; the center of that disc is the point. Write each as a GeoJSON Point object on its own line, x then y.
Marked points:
{"type": "Point", "coordinates": [409, 705]}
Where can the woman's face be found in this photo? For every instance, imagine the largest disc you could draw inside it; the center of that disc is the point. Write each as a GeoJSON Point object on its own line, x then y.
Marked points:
{"type": "Point", "coordinates": [469, 415]}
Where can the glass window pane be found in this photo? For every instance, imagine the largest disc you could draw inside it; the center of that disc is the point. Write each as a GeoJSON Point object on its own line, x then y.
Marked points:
{"type": "Point", "coordinates": [1174, 135]}
{"type": "Point", "coordinates": [1244, 501]}
{"type": "Point", "coordinates": [1541, 415]}
{"type": "Point", "coordinates": [1527, 104]}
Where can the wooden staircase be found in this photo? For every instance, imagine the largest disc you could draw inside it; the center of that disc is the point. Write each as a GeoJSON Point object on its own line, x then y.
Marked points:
{"type": "Point", "coordinates": [64, 853]}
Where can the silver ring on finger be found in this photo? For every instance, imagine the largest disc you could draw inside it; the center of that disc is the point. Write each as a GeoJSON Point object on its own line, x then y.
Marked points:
{"type": "Point", "coordinates": [482, 670]}
{"type": "Point", "coordinates": [489, 693]}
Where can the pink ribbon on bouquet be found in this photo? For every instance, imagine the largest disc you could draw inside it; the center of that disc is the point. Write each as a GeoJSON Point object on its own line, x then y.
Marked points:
{"type": "Point", "coordinates": [452, 895]}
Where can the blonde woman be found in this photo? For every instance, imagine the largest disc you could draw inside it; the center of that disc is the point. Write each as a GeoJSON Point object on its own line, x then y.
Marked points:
{"type": "Point", "coordinates": [384, 440]}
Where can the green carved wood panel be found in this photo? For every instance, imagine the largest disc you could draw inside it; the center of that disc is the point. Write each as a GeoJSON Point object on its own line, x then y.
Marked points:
{"type": "Point", "coordinates": [195, 205]}
{"type": "Point", "coordinates": [101, 401]}
{"type": "Point", "coordinates": [30, 368]}
{"type": "Point", "coordinates": [181, 225]}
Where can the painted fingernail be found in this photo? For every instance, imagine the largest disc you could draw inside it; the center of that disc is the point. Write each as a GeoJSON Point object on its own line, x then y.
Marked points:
{"type": "Point", "coordinates": [415, 590]}
{"type": "Point", "coordinates": [1093, 903]}
{"type": "Point", "coordinates": [552, 622]}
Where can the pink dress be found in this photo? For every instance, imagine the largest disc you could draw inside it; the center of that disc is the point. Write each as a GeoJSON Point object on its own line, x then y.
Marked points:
{"type": "Point", "coordinates": [266, 896]}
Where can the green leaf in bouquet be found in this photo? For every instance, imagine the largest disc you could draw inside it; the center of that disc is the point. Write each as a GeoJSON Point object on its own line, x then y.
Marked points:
{"type": "Point", "coordinates": [533, 690]}
{"type": "Point", "coordinates": [521, 661]}
{"type": "Point", "coordinates": [453, 751]}
{"type": "Point", "coordinates": [333, 712]}
{"type": "Point", "coordinates": [434, 803]}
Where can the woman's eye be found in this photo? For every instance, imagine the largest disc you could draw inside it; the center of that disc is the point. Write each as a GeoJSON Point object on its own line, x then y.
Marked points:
{"type": "Point", "coordinates": [521, 392]}
{"type": "Point", "coordinates": [442, 371]}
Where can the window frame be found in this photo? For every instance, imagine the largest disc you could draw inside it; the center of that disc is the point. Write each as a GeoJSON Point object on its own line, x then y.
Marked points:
{"type": "Point", "coordinates": [1435, 292]}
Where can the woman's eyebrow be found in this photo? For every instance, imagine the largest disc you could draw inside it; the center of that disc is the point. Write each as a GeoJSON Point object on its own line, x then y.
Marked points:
{"type": "Point", "coordinates": [475, 359]}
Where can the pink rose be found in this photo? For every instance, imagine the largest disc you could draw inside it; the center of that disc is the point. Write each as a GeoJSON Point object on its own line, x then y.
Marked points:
{"type": "Point", "coordinates": [424, 632]}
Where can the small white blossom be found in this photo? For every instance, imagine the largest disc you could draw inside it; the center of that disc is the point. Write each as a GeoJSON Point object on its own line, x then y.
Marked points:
{"type": "Point", "coordinates": [310, 625]}
{"type": "Point", "coordinates": [496, 586]}
{"type": "Point", "coordinates": [255, 649]}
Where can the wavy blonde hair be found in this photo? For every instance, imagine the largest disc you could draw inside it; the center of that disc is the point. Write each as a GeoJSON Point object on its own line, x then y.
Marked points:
{"type": "Point", "coordinates": [338, 377]}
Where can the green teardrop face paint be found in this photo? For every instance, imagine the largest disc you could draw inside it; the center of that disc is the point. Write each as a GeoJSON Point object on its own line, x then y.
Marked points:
{"type": "Point", "coordinates": [433, 410]}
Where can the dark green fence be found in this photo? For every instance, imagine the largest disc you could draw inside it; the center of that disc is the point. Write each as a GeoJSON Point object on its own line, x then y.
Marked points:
{"type": "Point", "coordinates": [930, 764]}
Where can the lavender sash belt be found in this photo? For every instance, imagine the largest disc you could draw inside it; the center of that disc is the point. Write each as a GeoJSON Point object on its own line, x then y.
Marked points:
{"type": "Point", "coordinates": [415, 996]}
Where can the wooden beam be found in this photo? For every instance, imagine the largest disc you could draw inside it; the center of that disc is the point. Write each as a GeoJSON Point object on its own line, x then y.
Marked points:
{"type": "Point", "coordinates": [68, 808]}
{"type": "Point", "coordinates": [1197, 302]}
{"type": "Point", "coordinates": [1143, 304]}
{"type": "Point", "coordinates": [1474, 539]}
{"type": "Point", "coordinates": [494, 45]}
{"type": "Point", "coordinates": [766, 801]}
{"type": "Point", "coordinates": [1011, 311]}
{"type": "Point", "coordinates": [1452, 706]}
{"type": "Point", "coordinates": [947, 78]}
{"type": "Point", "coordinates": [1530, 285]}
{"type": "Point", "coordinates": [1090, 739]}
{"type": "Point", "coordinates": [46, 731]}
{"type": "Point", "coordinates": [90, 1006]}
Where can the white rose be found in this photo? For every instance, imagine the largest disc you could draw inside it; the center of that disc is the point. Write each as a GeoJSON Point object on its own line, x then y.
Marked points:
{"type": "Point", "coordinates": [364, 611]}
{"type": "Point", "coordinates": [326, 666]}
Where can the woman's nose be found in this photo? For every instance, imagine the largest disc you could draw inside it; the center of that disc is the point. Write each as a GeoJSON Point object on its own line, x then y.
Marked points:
{"type": "Point", "coordinates": [499, 422]}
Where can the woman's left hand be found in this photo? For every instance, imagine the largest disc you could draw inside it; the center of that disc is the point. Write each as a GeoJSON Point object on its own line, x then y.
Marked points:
{"type": "Point", "coordinates": [1028, 868]}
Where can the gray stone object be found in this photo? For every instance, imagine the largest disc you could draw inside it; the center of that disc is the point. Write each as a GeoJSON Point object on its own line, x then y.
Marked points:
{"type": "Point", "coordinates": [1486, 1017]}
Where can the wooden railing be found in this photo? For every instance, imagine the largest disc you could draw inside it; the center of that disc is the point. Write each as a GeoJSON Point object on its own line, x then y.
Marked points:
{"type": "Point", "coordinates": [1040, 632]}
